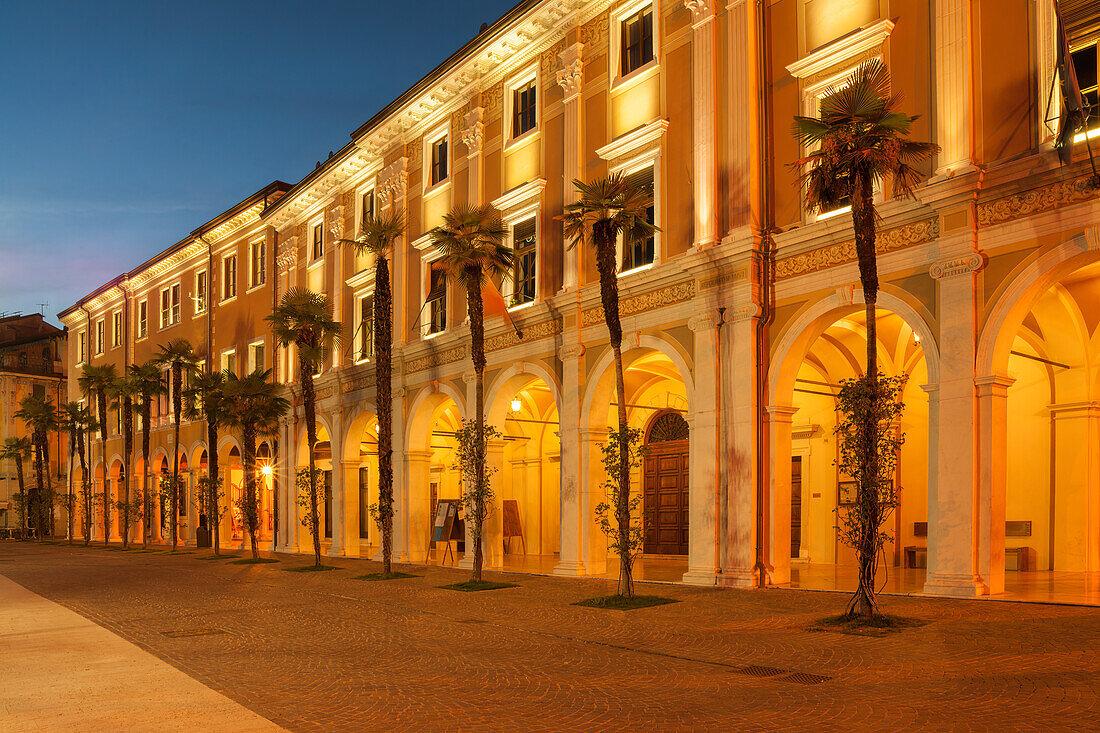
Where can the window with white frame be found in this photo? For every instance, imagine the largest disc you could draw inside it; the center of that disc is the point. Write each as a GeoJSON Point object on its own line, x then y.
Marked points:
{"type": "Point", "coordinates": [522, 101]}
{"type": "Point", "coordinates": [229, 277]}
{"type": "Point", "coordinates": [436, 300]}
{"type": "Point", "coordinates": [170, 306]}
{"type": "Point", "coordinates": [256, 356]}
{"type": "Point", "coordinates": [364, 328]}
{"type": "Point", "coordinates": [366, 206]}
{"type": "Point", "coordinates": [177, 303]}
{"type": "Point", "coordinates": [81, 347]}
{"type": "Point", "coordinates": [317, 240]}
{"type": "Point", "coordinates": [142, 319]}
{"type": "Point", "coordinates": [1084, 58]}
{"type": "Point", "coordinates": [438, 158]}
{"type": "Point", "coordinates": [635, 38]}
{"type": "Point", "coordinates": [99, 337]}
{"type": "Point", "coordinates": [229, 360]}
{"type": "Point", "coordinates": [257, 263]}
{"type": "Point", "coordinates": [641, 252]}
{"type": "Point", "coordinates": [116, 329]}
{"type": "Point", "coordinates": [525, 263]}
{"type": "Point", "coordinates": [201, 292]}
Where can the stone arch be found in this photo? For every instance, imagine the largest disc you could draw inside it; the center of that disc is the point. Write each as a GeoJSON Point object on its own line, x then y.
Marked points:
{"type": "Point", "coordinates": [523, 370]}
{"type": "Point", "coordinates": [603, 365]}
{"type": "Point", "coordinates": [419, 418]}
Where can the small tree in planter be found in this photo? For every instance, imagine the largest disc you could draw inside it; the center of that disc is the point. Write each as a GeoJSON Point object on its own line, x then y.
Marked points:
{"type": "Point", "coordinates": [209, 499]}
{"type": "Point", "coordinates": [131, 510]}
{"type": "Point", "coordinates": [170, 501]}
{"type": "Point", "coordinates": [308, 498]}
{"type": "Point", "coordinates": [868, 442]}
{"type": "Point", "coordinates": [89, 503]}
{"type": "Point", "coordinates": [618, 517]}
{"type": "Point", "coordinates": [477, 496]}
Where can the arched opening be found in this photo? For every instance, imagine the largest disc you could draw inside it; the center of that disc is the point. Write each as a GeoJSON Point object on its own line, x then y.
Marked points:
{"type": "Point", "coordinates": [526, 525]}
{"type": "Point", "coordinates": [655, 380]}
{"type": "Point", "coordinates": [116, 477]}
{"type": "Point", "coordinates": [233, 487]}
{"type": "Point", "coordinates": [432, 476]}
{"type": "Point", "coordinates": [101, 486]}
{"type": "Point", "coordinates": [809, 493]}
{"type": "Point", "coordinates": [322, 457]}
{"type": "Point", "coordinates": [163, 512]}
{"type": "Point", "coordinates": [265, 490]}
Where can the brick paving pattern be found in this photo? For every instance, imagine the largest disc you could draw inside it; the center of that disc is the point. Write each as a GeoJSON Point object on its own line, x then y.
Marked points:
{"type": "Point", "coordinates": [321, 651]}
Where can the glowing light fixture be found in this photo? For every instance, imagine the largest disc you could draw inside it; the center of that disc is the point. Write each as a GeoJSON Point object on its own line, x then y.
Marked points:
{"type": "Point", "coordinates": [916, 338]}
{"type": "Point", "coordinates": [266, 470]}
{"type": "Point", "coordinates": [516, 404]}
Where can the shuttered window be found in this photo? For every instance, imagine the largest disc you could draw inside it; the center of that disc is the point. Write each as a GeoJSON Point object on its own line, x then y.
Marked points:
{"type": "Point", "coordinates": [637, 40]}
{"type": "Point", "coordinates": [523, 275]}
{"type": "Point", "coordinates": [437, 299]}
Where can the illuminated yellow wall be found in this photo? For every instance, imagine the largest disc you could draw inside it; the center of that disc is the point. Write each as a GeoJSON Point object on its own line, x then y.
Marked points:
{"type": "Point", "coordinates": [636, 105]}
{"type": "Point", "coordinates": [521, 163]}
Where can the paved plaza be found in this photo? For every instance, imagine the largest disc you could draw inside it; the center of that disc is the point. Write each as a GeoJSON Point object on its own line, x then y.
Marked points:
{"type": "Point", "coordinates": [323, 651]}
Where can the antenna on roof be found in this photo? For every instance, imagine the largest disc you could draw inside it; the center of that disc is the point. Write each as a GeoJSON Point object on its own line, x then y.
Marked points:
{"type": "Point", "coordinates": [43, 306]}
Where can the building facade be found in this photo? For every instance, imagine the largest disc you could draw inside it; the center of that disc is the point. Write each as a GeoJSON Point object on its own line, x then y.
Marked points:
{"type": "Point", "coordinates": [741, 315]}
{"type": "Point", "coordinates": [32, 362]}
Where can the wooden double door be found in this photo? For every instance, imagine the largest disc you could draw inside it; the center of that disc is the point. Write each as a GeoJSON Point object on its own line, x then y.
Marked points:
{"type": "Point", "coordinates": [665, 486]}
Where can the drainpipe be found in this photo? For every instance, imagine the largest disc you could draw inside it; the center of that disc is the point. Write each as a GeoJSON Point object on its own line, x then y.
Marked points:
{"type": "Point", "coordinates": [765, 262]}
{"type": "Point", "coordinates": [209, 317]}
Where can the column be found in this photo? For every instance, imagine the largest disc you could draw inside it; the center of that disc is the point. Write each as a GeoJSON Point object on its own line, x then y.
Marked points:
{"type": "Point", "coordinates": [571, 80]}
{"type": "Point", "coordinates": [350, 526]}
{"type": "Point", "coordinates": [569, 558]}
{"type": "Point", "coordinates": [704, 89]}
{"type": "Point", "coordinates": [401, 476]}
{"type": "Point", "coordinates": [703, 492]}
{"type": "Point", "coordinates": [740, 449]}
{"type": "Point", "coordinates": [953, 520]}
{"type": "Point", "coordinates": [413, 523]}
{"type": "Point", "coordinates": [593, 541]}
{"type": "Point", "coordinates": [741, 113]}
{"type": "Point", "coordinates": [992, 479]}
{"type": "Point", "coordinates": [339, 488]}
{"type": "Point", "coordinates": [933, 392]}
{"type": "Point", "coordinates": [954, 88]}
{"type": "Point", "coordinates": [777, 521]}
{"type": "Point", "coordinates": [1076, 430]}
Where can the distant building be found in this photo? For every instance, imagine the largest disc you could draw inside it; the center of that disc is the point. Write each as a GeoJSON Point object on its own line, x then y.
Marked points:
{"type": "Point", "coordinates": [32, 361]}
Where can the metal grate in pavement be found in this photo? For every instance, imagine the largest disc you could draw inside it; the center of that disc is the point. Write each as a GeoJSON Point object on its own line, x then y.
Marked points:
{"type": "Point", "coordinates": [191, 632]}
{"type": "Point", "coordinates": [805, 678]}
{"type": "Point", "coordinates": [755, 670]}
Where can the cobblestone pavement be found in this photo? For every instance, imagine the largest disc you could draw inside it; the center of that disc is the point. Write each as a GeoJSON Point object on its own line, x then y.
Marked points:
{"type": "Point", "coordinates": [321, 651]}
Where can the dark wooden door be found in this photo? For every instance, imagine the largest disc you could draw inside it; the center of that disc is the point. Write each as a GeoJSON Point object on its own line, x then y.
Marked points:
{"type": "Point", "coordinates": [796, 505]}
{"type": "Point", "coordinates": [665, 486]}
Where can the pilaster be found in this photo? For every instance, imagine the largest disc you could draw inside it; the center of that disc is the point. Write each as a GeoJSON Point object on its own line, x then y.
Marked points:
{"type": "Point", "coordinates": [954, 88]}
{"type": "Point", "coordinates": [569, 558]}
{"type": "Point", "coordinates": [992, 392]}
{"type": "Point", "coordinates": [571, 79]}
{"type": "Point", "coordinates": [703, 493]}
{"type": "Point", "coordinates": [704, 87]}
{"type": "Point", "coordinates": [777, 523]}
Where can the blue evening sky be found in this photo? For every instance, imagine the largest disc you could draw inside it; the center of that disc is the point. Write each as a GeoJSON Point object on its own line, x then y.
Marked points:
{"type": "Point", "coordinates": [125, 125]}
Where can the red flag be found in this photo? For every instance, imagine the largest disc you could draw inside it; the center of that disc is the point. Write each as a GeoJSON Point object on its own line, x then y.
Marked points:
{"type": "Point", "coordinates": [495, 305]}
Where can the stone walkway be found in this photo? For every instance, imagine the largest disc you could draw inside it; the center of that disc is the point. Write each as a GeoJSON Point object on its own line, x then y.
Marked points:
{"type": "Point", "coordinates": [63, 672]}
{"type": "Point", "coordinates": [321, 651]}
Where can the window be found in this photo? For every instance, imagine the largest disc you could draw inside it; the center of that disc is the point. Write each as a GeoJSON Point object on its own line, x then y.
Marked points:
{"type": "Point", "coordinates": [366, 206]}
{"type": "Point", "coordinates": [1084, 66]}
{"type": "Point", "coordinates": [39, 391]}
{"type": "Point", "coordinates": [524, 109]}
{"type": "Point", "coordinates": [143, 319]}
{"type": "Point", "coordinates": [165, 307]}
{"type": "Point", "coordinates": [99, 337]}
{"type": "Point", "coordinates": [641, 252]}
{"type": "Point", "coordinates": [364, 339]}
{"type": "Point", "coordinates": [437, 299]}
{"type": "Point", "coordinates": [116, 329]}
{"type": "Point", "coordinates": [258, 263]}
{"type": "Point", "coordinates": [439, 160]}
{"type": "Point", "coordinates": [256, 356]}
{"type": "Point", "coordinates": [229, 277]}
{"type": "Point", "coordinates": [523, 273]}
{"type": "Point", "coordinates": [229, 360]}
{"type": "Point", "coordinates": [317, 241]}
{"type": "Point", "coordinates": [200, 292]}
{"type": "Point", "coordinates": [81, 347]}
{"type": "Point", "coordinates": [176, 298]}
{"type": "Point", "coordinates": [636, 40]}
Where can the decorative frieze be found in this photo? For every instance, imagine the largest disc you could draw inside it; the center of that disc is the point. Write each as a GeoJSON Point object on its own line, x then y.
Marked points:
{"type": "Point", "coordinates": [917, 232]}
{"type": "Point", "coordinates": [594, 34]}
{"type": "Point", "coordinates": [414, 152]}
{"type": "Point", "coordinates": [353, 385]}
{"type": "Point", "coordinates": [531, 333]}
{"type": "Point", "coordinates": [1036, 201]}
{"type": "Point", "coordinates": [652, 300]}
{"type": "Point", "coordinates": [550, 62]}
{"type": "Point", "coordinates": [957, 266]}
{"type": "Point", "coordinates": [288, 254]}
{"type": "Point", "coordinates": [493, 101]}
{"type": "Point", "coordinates": [448, 356]}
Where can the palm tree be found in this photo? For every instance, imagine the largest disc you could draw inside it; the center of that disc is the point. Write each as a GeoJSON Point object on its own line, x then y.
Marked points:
{"type": "Point", "coordinates": [471, 241]}
{"type": "Point", "coordinates": [303, 318]}
{"type": "Point", "coordinates": [124, 391]}
{"type": "Point", "coordinates": [861, 138]}
{"type": "Point", "coordinates": [76, 419]}
{"type": "Point", "coordinates": [97, 382]}
{"type": "Point", "coordinates": [255, 408]}
{"type": "Point", "coordinates": [376, 239]}
{"type": "Point", "coordinates": [18, 450]}
{"type": "Point", "coordinates": [40, 417]}
{"type": "Point", "coordinates": [178, 355]}
{"type": "Point", "coordinates": [605, 210]}
{"type": "Point", "coordinates": [206, 400]}
{"type": "Point", "coordinates": [148, 385]}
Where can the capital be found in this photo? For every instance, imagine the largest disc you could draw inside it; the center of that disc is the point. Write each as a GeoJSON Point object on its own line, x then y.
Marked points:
{"type": "Point", "coordinates": [571, 74]}
{"type": "Point", "coordinates": [571, 351]}
{"type": "Point", "coordinates": [701, 10]}
{"type": "Point", "coordinates": [957, 266]}
{"type": "Point", "coordinates": [705, 321]}
{"type": "Point", "coordinates": [473, 132]}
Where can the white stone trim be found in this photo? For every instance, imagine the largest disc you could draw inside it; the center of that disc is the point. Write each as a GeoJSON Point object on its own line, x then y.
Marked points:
{"type": "Point", "coordinates": [842, 50]}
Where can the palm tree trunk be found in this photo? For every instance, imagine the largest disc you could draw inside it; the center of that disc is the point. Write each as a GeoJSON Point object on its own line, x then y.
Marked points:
{"type": "Point", "coordinates": [177, 403]}
{"type": "Point", "coordinates": [101, 407]}
{"type": "Point", "coordinates": [86, 517]}
{"type": "Point", "coordinates": [383, 376]}
{"type": "Point", "coordinates": [23, 495]}
{"type": "Point", "coordinates": [127, 449]}
{"type": "Point", "coordinates": [146, 499]}
{"type": "Point", "coordinates": [71, 502]}
{"type": "Point", "coordinates": [248, 437]}
{"type": "Point", "coordinates": [477, 351]}
{"type": "Point", "coordinates": [863, 219]}
{"type": "Point", "coordinates": [212, 489]}
{"type": "Point", "coordinates": [609, 294]}
{"type": "Point", "coordinates": [305, 370]}
{"type": "Point", "coordinates": [35, 508]}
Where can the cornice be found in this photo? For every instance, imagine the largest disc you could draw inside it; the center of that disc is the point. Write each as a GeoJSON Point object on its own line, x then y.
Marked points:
{"type": "Point", "coordinates": [159, 268]}
{"type": "Point", "coordinates": [634, 141]}
{"type": "Point", "coordinates": [519, 195]}
{"type": "Point", "coordinates": [841, 50]}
